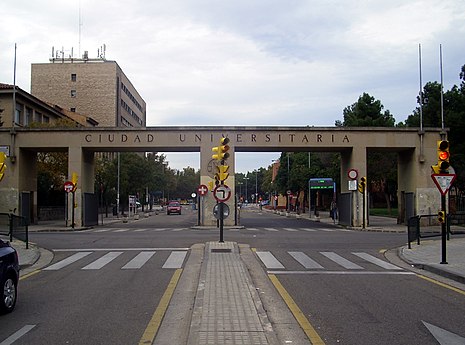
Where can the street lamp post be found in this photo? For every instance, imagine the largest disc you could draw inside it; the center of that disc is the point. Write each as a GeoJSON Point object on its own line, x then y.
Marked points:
{"type": "Point", "coordinates": [246, 197]}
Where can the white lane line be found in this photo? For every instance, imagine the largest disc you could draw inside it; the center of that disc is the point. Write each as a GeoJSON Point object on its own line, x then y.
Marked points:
{"type": "Point", "coordinates": [67, 261]}
{"type": "Point", "coordinates": [269, 260]}
{"type": "Point", "coordinates": [251, 229]}
{"type": "Point", "coordinates": [308, 229]}
{"type": "Point", "coordinates": [105, 230]}
{"type": "Point", "coordinates": [122, 230]}
{"type": "Point", "coordinates": [15, 336]}
{"type": "Point", "coordinates": [138, 261]}
{"type": "Point", "coordinates": [378, 262]}
{"type": "Point", "coordinates": [341, 261]}
{"type": "Point", "coordinates": [116, 249]}
{"type": "Point", "coordinates": [141, 230]}
{"type": "Point", "coordinates": [179, 229]}
{"type": "Point", "coordinates": [343, 272]}
{"type": "Point", "coordinates": [305, 261]}
{"type": "Point", "coordinates": [160, 229]}
{"type": "Point", "coordinates": [290, 229]}
{"type": "Point", "coordinates": [271, 229]}
{"type": "Point", "coordinates": [327, 230]}
{"type": "Point", "coordinates": [175, 260]}
{"type": "Point", "coordinates": [104, 260]}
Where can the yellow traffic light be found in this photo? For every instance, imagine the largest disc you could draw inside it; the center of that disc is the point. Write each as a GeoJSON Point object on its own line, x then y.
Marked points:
{"type": "Point", "coordinates": [441, 216]}
{"type": "Point", "coordinates": [443, 156]}
{"type": "Point", "coordinates": [221, 152]}
{"type": "Point", "coordinates": [222, 172]}
{"type": "Point", "coordinates": [2, 164]}
{"type": "Point", "coordinates": [362, 184]}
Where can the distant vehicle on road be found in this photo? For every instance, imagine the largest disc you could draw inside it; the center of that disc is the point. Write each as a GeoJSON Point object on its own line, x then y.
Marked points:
{"type": "Point", "coordinates": [9, 276]}
{"type": "Point", "coordinates": [173, 207]}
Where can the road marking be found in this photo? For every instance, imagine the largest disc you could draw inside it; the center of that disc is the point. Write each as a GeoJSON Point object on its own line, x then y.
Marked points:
{"type": "Point", "coordinates": [115, 249]}
{"type": "Point", "coordinates": [271, 229]}
{"type": "Point", "coordinates": [179, 229]}
{"type": "Point", "coordinates": [327, 230]}
{"type": "Point", "coordinates": [308, 229]}
{"type": "Point", "coordinates": [68, 261]}
{"type": "Point", "coordinates": [305, 261]}
{"type": "Point", "coordinates": [101, 262]}
{"type": "Point", "coordinates": [175, 260]}
{"type": "Point", "coordinates": [141, 230]}
{"type": "Point", "coordinates": [443, 336]}
{"type": "Point", "coordinates": [12, 338]}
{"type": "Point", "coordinates": [269, 260]}
{"type": "Point", "coordinates": [122, 230]}
{"type": "Point", "coordinates": [290, 229]}
{"type": "Point", "coordinates": [341, 261]}
{"type": "Point", "coordinates": [444, 285]}
{"type": "Point", "coordinates": [344, 272]}
{"type": "Point", "coordinates": [307, 327]}
{"type": "Point", "coordinates": [105, 230]}
{"type": "Point", "coordinates": [154, 323]}
{"type": "Point", "coordinates": [251, 229]}
{"type": "Point", "coordinates": [378, 262]}
{"type": "Point", "coordinates": [139, 260]}
{"type": "Point", "coordinates": [29, 274]}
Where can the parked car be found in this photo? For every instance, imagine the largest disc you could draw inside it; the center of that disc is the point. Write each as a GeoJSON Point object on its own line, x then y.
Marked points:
{"type": "Point", "coordinates": [173, 207]}
{"type": "Point", "coordinates": [9, 277]}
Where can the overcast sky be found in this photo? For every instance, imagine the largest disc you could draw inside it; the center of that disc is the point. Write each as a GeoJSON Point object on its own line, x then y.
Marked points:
{"type": "Point", "coordinates": [239, 63]}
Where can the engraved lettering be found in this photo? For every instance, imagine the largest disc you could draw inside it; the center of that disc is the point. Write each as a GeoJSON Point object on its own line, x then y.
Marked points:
{"type": "Point", "coordinates": [88, 138]}
{"type": "Point", "coordinates": [182, 138]}
{"type": "Point", "coordinates": [137, 139]}
{"type": "Point", "coordinates": [124, 138]}
{"type": "Point", "coordinates": [291, 136]}
{"type": "Point", "coordinates": [267, 138]}
{"type": "Point", "coordinates": [239, 138]}
{"type": "Point", "coordinates": [149, 138]}
{"type": "Point", "coordinates": [346, 139]}
{"type": "Point", "coordinates": [305, 139]}
{"type": "Point", "coordinates": [111, 138]}
{"type": "Point", "coordinates": [319, 138]}
{"type": "Point", "coordinates": [254, 138]}
{"type": "Point", "coordinates": [198, 137]}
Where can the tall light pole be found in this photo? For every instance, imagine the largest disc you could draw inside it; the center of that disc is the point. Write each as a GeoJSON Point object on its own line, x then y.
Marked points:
{"type": "Point", "coordinates": [246, 197]}
{"type": "Point", "coordinates": [256, 187]}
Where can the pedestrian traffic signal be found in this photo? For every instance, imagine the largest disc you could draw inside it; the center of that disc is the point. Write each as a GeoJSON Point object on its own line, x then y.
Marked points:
{"type": "Point", "coordinates": [362, 184]}
{"type": "Point", "coordinates": [2, 164]}
{"type": "Point", "coordinates": [221, 151]}
{"type": "Point", "coordinates": [442, 216]}
{"type": "Point", "coordinates": [443, 156]}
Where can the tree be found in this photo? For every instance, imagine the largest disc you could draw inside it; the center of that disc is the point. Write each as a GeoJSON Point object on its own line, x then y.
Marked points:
{"type": "Point", "coordinates": [366, 112]}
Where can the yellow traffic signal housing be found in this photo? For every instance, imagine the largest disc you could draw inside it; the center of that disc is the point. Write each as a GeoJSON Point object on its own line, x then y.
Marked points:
{"type": "Point", "coordinates": [443, 156]}
{"type": "Point", "coordinates": [222, 172]}
{"type": "Point", "coordinates": [436, 169]}
{"type": "Point", "coordinates": [362, 184]}
{"type": "Point", "coordinates": [441, 216]}
{"type": "Point", "coordinates": [221, 152]}
{"type": "Point", "coordinates": [2, 164]}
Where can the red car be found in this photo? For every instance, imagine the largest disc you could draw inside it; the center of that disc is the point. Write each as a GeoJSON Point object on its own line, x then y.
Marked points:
{"type": "Point", "coordinates": [173, 207]}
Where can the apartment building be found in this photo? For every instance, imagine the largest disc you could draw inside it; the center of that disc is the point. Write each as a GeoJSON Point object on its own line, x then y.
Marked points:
{"type": "Point", "coordinates": [97, 87]}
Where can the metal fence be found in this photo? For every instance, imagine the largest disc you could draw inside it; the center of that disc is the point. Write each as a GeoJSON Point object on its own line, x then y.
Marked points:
{"type": "Point", "coordinates": [14, 226]}
{"type": "Point", "coordinates": [455, 224]}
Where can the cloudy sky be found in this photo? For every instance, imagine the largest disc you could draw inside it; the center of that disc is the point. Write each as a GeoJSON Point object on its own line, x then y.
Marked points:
{"type": "Point", "coordinates": [215, 62]}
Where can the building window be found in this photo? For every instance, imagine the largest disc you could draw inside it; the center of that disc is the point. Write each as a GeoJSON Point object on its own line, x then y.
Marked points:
{"type": "Point", "coordinates": [73, 110]}
{"type": "Point", "coordinates": [73, 76]}
{"type": "Point", "coordinates": [18, 114]}
{"type": "Point", "coordinates": [46, 119]}
{"type": "Point", "coordinates": [28, 119]}
{"type": "Point", "coordinates": [73, 93]}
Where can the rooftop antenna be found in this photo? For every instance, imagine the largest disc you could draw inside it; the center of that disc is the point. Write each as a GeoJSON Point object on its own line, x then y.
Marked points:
{"type": "Point", "coordinates": [80, 25]}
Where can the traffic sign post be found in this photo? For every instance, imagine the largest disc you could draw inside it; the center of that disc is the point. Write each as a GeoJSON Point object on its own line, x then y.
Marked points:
{"type": "Point", "coordinates": [222, 193]}
{"type": "Point", "coordinates": [202, 191]}
{"type": "Point", "coordinates": [443, 182]}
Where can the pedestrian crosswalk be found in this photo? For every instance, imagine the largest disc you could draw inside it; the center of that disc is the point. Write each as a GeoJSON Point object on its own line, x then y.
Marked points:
{"type": "Point", "coordinates": [119, 230]}
{"type": "Point", "coordinates": [326, 262]}
{"type": "Point", "coordinates": [175, 259]}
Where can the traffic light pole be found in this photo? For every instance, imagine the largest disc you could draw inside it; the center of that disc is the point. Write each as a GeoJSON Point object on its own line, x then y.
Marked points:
{"type": "Point", "coordinates": [220, 206]}
{"type": "Point", "coordinates": [443, 232]}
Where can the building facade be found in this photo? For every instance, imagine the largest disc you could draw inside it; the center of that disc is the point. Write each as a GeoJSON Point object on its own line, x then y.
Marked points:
{"type": "Point", "coordinates": [90, 86]}
{"type": "Point", "coordinates": [29, 110]}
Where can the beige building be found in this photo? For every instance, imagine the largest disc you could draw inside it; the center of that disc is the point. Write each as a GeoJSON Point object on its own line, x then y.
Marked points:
{"type": "Point", "coordinates": [30, 110]}
{"type": "Point", "coordinates": [90, 86]}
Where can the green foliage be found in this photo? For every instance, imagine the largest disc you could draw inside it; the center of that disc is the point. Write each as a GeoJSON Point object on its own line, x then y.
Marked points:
{"type": "Point", "coordinates": [366, 112]}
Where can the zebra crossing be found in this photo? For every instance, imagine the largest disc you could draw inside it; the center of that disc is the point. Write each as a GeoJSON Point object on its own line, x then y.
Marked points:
{"type": "Point", "coordinates": [175, 259]}
{"type": "Point", "coordinates": [347, 263]}
{"type": "Point", "coordinates": [251, 229]}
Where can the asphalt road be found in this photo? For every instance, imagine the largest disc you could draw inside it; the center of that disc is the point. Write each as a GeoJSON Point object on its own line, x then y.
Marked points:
{"type": "Point", "coordinates": [340, 280]}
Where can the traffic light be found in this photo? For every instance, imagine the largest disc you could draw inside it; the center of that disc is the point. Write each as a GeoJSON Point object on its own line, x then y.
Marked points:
{"type": "Point", "coordinates": [443, 156]}
{"type": "Point", "coordinates": [441, 216]}
{"type": "Point", "coordinates": [221, 151]}
{"type": "Point", "coordinates": [222, 173]}
{"type": "Point", "coordinates": [362, 184]}
{"type": "Point", "coordinates": [2, 164]}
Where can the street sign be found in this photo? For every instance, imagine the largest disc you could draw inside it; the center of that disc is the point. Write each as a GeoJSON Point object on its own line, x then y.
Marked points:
{"type": "Point", "coordinates": [202, 189]}
{"type": "Point", "coordinates": [352, 174]}
{"type": "Point", "coordinates": [69, 186]}
{"type": "Point", "coordinates": [216, 210]}
{"type": "Point", "coordinates": [222, 193]}
{"type": "Point", "coordinates": [443, 182]}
